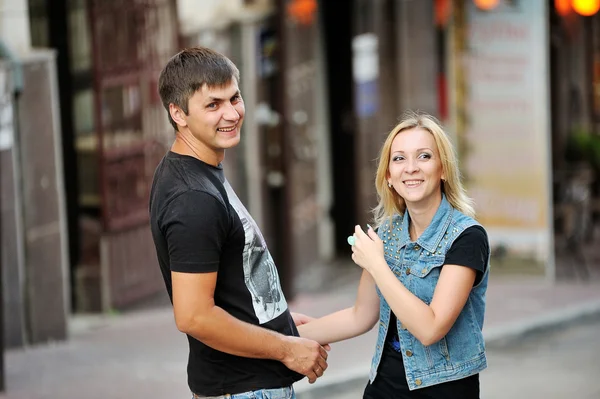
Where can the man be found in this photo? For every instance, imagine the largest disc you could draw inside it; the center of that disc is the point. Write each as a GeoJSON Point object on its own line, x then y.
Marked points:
{"type": "Point", "coordinates": [216, 266]}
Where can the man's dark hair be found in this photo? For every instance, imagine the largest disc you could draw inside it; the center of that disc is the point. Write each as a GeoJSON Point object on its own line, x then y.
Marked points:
{"type": "Point", "coordinates": [188, 71]}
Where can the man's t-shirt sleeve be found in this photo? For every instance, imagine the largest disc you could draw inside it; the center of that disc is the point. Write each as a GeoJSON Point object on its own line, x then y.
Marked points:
{"type": "Point", "coordinates": [195, 226]}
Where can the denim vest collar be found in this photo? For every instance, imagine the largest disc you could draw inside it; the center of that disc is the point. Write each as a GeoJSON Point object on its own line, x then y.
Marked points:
{"type": "Point", "coordinates": [433, 234]}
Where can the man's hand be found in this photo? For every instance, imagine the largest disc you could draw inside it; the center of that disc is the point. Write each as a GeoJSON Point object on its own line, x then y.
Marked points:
{"type": "Point", "coordinates": [300, 319]}
{"type": "Point", "coordinates": [306, 357]}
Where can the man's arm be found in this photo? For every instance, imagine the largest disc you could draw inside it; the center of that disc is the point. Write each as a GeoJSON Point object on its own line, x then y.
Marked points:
{"type": "Point", "coordinates": [196, 225]}
{"type": "Point", "coordinates": [197, 315]}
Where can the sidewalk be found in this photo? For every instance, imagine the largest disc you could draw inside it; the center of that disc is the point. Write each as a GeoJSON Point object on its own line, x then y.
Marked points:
{"type": "Point", "coordinates": [141, 354]}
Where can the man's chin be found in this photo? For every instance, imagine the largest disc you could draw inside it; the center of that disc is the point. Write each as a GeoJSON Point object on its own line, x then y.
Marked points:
{"type": "Point", "coordinates": [231, 142]}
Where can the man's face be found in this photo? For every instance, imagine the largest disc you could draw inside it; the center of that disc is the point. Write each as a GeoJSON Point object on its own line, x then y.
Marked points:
{"type": "Point", "coordinates": [215, 117]}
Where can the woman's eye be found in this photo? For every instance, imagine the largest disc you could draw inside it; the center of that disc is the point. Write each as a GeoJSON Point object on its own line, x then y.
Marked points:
{"type": "Point", "coordinates": [425, 155]}
{"type": "Point", "coordinates": [397, 158]}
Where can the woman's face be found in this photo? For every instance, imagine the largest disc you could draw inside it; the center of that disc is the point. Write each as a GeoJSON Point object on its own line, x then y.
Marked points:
{"type": "Point", "coordinates": [415, 169]}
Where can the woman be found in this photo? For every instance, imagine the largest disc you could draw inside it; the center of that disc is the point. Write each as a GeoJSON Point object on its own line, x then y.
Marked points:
{"type": "Point", "coordinates": [425, 273]}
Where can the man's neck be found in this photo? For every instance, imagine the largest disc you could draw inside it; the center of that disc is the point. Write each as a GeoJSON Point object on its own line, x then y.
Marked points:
{"type": "Point", "coordinates": [186, 144]}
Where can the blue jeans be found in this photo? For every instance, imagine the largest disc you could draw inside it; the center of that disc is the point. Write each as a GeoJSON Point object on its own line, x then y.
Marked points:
{"type": "Point", "coordinates": [277, 393]}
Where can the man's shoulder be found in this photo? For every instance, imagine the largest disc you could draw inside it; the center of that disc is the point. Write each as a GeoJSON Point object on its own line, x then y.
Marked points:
{"type": "Point", "coordinates": [177, 177]}
{"type": "Point", "coordinates": [183, 188]}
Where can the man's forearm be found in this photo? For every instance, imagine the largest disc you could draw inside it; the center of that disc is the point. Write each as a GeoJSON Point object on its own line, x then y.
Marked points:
{"type": "Point", "coordinates": [223, 332]}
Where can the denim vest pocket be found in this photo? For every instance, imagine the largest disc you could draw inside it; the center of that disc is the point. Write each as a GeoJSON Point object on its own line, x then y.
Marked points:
{"type": "Point", "coordinates": [437, 355]}
{"type": "Point", "coordinates": [465, 339]}
{"type": "Point", "coordinates": [423, 267]}
{"type": "Point", "coordinates": [424, 276]}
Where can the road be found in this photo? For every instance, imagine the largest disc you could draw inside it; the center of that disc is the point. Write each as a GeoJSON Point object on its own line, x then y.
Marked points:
{"type": "Point", "coordinates": [559, 364]}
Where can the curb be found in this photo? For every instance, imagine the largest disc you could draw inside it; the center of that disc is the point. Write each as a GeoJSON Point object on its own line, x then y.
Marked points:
{"type": "Point", "coordinates": [497, 336]}
{"type": "Point", "coordinates": [356, 380]}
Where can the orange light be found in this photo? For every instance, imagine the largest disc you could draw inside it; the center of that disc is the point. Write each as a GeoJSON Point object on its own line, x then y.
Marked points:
{"type": "Point", "coordinates": [563, 7]}
{"type": "Point", "coordinates": [486, 5]}
{"type": "Point", "coordinates": [586, 7]}
{"type": "Point", "coordinates": [303, 11]}
{"type": "Point", "coordinates": [443, 9]}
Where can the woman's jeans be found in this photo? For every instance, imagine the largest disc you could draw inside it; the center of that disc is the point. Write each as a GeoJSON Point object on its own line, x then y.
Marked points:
{"type": "Point", "coordinates": [277, 393]}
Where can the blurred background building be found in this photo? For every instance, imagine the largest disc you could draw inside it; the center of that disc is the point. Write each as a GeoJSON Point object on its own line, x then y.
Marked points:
{"type": "Point", "coordinates": [515, 82]}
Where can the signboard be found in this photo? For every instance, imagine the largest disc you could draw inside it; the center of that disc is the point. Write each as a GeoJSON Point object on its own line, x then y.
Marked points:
{"type": "Point", "coordinates": [505, 149]}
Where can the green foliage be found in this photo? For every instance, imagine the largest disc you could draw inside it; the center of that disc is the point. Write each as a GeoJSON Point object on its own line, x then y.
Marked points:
{"type": "Point", "coordinates": [583, 146]}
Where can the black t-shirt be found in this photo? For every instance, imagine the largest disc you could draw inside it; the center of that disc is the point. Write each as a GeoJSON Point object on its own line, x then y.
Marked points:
{"type": "Point", "coordinates": [470, 249]}
{"type": "Point", "coordinates": [200, 226]}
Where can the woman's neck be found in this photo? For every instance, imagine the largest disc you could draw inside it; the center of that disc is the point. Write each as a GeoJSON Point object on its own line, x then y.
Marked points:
{"type": "Point", "coordinates": [421, 217]}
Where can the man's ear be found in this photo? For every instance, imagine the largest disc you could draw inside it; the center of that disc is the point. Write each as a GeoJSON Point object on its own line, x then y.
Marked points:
{"type": "Point", "coordinates": [177, 115]}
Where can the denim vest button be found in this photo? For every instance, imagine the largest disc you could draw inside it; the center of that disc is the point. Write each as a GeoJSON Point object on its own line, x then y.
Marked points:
{"type": "Point", "coordinates": [418, 381]}
{"type": "Point", "coordinates": [408, 270]}
{"type": "Point", "coordinates": [408, 353]}
{"type": "Point", "coordinates": [424, 270]}
{"type": "Point", "coordinates": [417, 247]}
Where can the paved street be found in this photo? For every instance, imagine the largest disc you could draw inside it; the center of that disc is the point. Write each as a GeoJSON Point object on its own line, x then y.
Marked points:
{"type": "Point", "coordinates": [561, 364]}
{"type": "Point", "coordinates": [141, 354]}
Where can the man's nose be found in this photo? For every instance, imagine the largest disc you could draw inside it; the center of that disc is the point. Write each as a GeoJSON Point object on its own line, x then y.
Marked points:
{"type": "Point", "coordinates": [231, 114]}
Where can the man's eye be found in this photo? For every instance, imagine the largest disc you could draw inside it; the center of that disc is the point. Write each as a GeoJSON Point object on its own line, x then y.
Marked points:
{"type": "Point", "coordinates": [212, 105]}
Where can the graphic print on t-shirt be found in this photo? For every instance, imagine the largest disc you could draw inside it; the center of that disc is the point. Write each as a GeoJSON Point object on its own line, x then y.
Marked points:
{"type": "Point", "coordinates": [260, 273]}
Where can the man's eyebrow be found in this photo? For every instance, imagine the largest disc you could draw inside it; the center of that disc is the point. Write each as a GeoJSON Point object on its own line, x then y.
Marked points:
{"type": "Point", "coordinates": [217, 99]}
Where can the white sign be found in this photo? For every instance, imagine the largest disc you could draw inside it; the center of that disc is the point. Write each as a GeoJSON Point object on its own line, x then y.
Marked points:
{"type": "Point", "coordinates": [507, 160]}
{"type": "Point", "coordinates": [365, 60]}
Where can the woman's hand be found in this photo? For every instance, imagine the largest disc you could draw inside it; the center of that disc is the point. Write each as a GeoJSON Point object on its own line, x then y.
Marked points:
{"type": "Point", "coordinates": [367, 250]}
{"type": "Point", "coordinates": [300, 318]}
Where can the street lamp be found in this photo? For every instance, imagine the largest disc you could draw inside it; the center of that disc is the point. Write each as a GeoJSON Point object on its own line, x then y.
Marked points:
{"type": "Point", "coordinates": [486, 5]}
{"type": "Point", "coordinates": [563, 7]}
{"type": "Point", "coordinates": [586, 8]}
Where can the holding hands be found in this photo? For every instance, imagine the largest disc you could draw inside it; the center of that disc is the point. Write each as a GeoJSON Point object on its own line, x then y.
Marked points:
{"type": "Point", "coordinates": [306, 357]}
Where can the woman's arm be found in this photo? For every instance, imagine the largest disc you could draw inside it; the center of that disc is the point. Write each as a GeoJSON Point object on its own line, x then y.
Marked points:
{"type": "Point", "coordinates": [428, 323]}
{"type": "Point", "coordinates": [349, 322]}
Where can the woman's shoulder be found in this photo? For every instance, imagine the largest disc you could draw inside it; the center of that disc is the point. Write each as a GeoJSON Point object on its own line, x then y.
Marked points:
{"type": "Point", "coordinates": [461, 222]}
{"type": "Point", "coordinates": [459, 218]}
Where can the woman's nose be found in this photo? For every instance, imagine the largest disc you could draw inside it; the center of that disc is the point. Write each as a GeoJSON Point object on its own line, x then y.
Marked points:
{"type": "Point", "coordinates": [412, 166]}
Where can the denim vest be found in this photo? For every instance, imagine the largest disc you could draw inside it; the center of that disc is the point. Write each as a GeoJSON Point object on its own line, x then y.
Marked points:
{"type": "Point", "coordinates": [417, 265]}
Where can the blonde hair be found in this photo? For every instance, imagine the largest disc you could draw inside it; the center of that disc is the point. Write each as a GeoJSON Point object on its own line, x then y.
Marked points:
{"type": "Point", "coordinates": [390, 202]}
